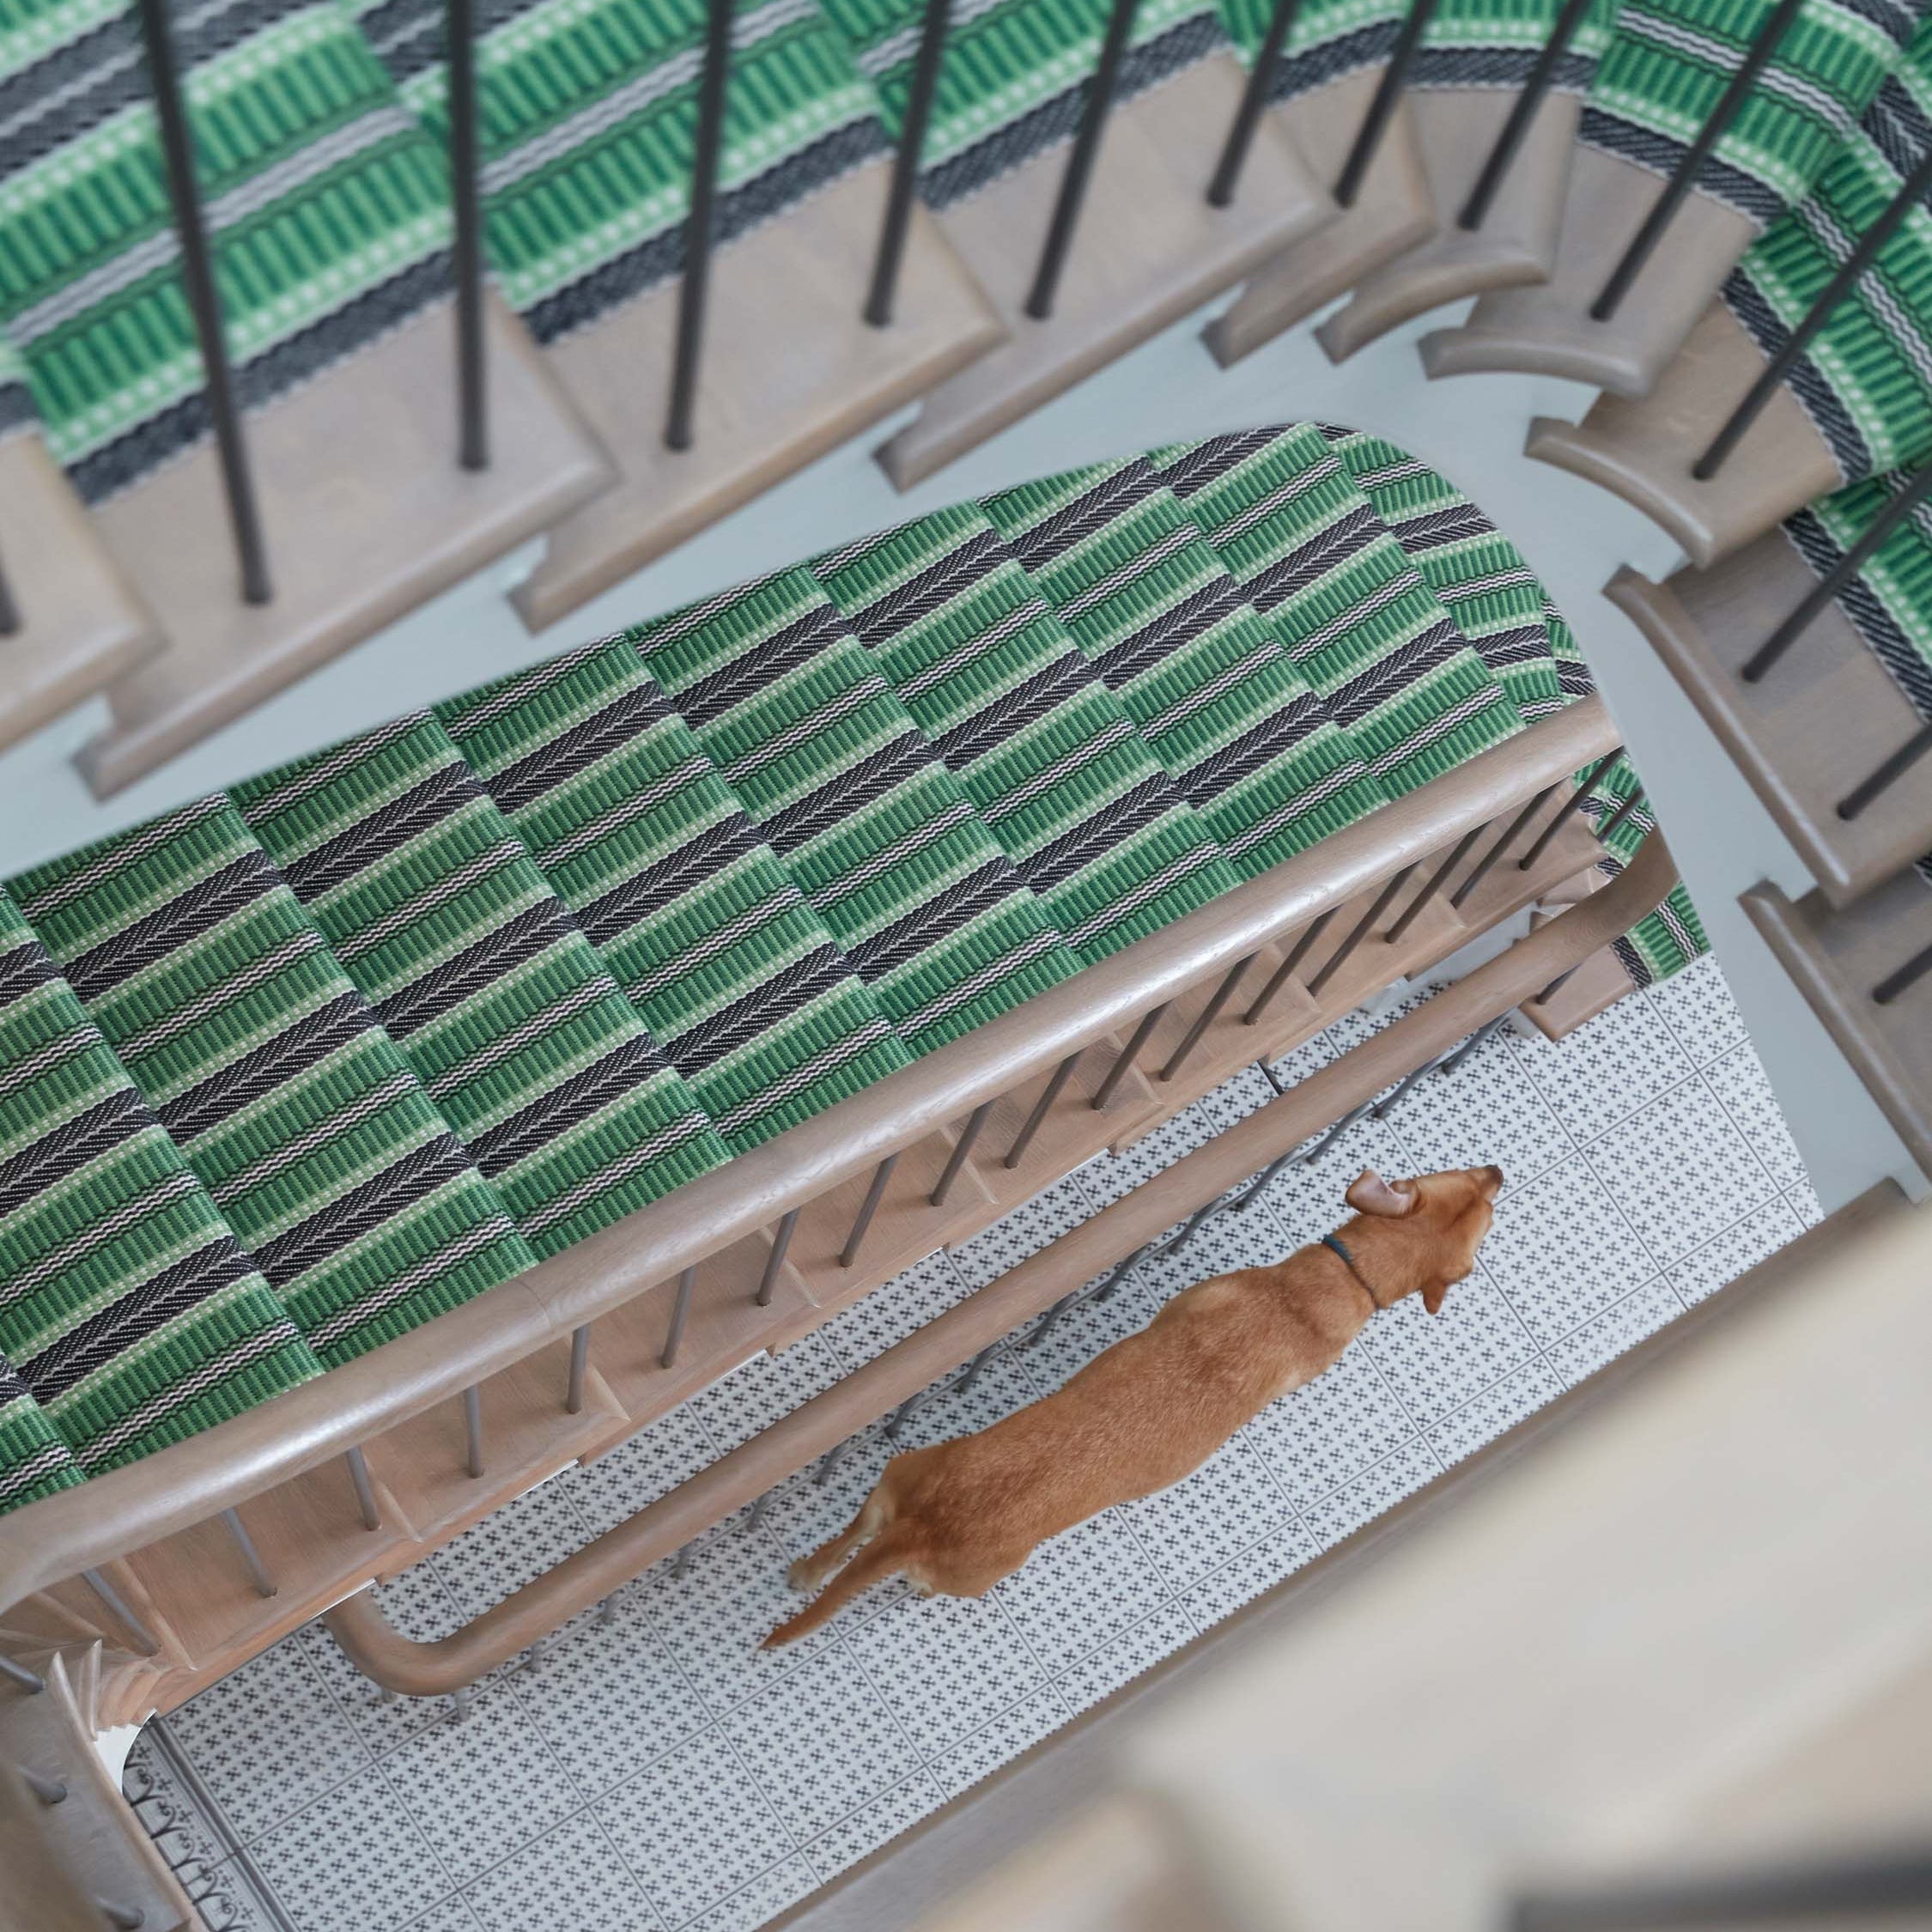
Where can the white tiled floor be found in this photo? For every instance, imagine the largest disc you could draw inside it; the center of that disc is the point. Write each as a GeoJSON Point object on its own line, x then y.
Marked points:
{"type": "Point", "coordinates": [662, 1772]}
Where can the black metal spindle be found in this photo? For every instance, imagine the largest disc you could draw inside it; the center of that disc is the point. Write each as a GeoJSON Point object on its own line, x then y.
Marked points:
{"type": "Point", "coordinates": [251, 1556]}
{"type": "Point", "coordinates": [1042, 1106]}
{"type": "Point", "coordinates": [867, 1209]}
{"type": "Point", "coordinates": [31, 1681]}
{"type": "Point", "coordinates": [1571, 806]}
{"type": "Point", "coordinates": [1820, 312]}
{"type": "Point", "coordinates": [365, 1490]}
{"type": "Point", "coordinates": [1388, 1104]}
{"type": "Point", "coordinates": [1433, 885]}
{"type": "Point", "coordinates": [467, 209]}
{"type": "Point", "coordinates": [145, 1639]}
{"type": "Point", "coordinates": [1909, 975]}
{"type": "Point", "coordinates": [1253, 99]}
{"type": "Point", "coordinates": [1683, 178]}
{"type": "Point", "coordinates": [1196, 1221]}
{"type": "Point", "coordinates": [579, 1369]}
{"type": "Point", "coordinates": [969, 1135]}
{"type": "Point", "coordinates": [1515, 130]}
{"type": "Point", "coordinates": [205, 303]}
{"type": "Point", "coordinates": [680, 1313]}
{"type": "Point", "coordinates": [1121, 1067]}
{"type": "Point", "coordinates": [1362, 928]}
{"type": "Point", "coordinates": [1618, 816]}
{"type": "Point", "coordinates": [1260, 1184]}
{"type": "Point", "coordinates": [1557, 985]}
{"type": "Point", "coordinates": [1206, 1017]}
{"type": "Point", "coordinates": [1382, 109]}
{"type": "Point", "coordinates": [48, 1790]}
{"type": "Point", "coordinates": [10, 611]}
{"type": "Point", "coordinates": [1120, 1272]}
{"type": "Point", "coordinates": [1888, 773]}
{"type": "Point", "coordinates": [473, 1430]}
{"type": "Point", "coordinates": [780, 1246]}
{"type": "Point", "coordinates": [1841, 574]}
{"type": "Point", "coordinates": [122, 1918]}
{"type": "Point", "coordinates": [965, 1382]}
{"type": "Point", "coordinates": [1285, 971]}
{"type": "Point", "coordinates": [1079, 162]}
{"type": "Point", "coordinates": [696, 283]}
{"type": "Point", "coordinates": [1471, 1044]}
{"type": "Point", "coordinates": [904, 189]}
{"type": "Point", "coordinates": [1335, 1133]}
{"type": "Point", "coordinates": [1487, 861]}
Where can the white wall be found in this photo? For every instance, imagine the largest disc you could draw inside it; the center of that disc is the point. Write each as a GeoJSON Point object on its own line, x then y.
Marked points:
{"type": "Point", "coordinates": [1469, 428]}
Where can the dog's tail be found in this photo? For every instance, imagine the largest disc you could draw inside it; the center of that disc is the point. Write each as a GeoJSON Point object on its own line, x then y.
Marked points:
{"type": "Point", "coordinates": [879, 1559]}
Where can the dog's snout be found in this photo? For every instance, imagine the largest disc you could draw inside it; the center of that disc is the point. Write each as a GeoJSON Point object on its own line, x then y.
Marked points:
{"type": "Point", "coordinates": [1495, 1174]}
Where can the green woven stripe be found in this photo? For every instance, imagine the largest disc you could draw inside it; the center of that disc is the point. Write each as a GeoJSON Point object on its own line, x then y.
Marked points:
{"type": "Point", "coordinates": [126, 1306]}
{"type": "Point", "coordinates": [1866, 378]}
{"type": "Point", "coordinates": [1014, 73]}
{"type": "Point", "coordinates": [1067, 785]}
{"type": "Point", "coordinates": [34, 1461]}
{"type": "Point", "coordinates": [329, 210]}
{"type": "Point", "coordinates": [1890, 600]}
{"type": "Point", "coordinates": [268, 1069]}
{"type": "Point", "coordinates": [1250, 745]}
{"type": "Point", "coordinates": [587, 113]}
{"type": "Point", "coordinates": [502, 1008]}
{"type": "Point", "coordinates": [734, 972]}
{"type": "Point", "coordinates": [1309, 551]}
{"type": "Point", "coordinates": [831, 769]}
{"type": "Point", "coordinates": [1476, 573]}
{"type": "Point", "coordinates": [1667, 65]}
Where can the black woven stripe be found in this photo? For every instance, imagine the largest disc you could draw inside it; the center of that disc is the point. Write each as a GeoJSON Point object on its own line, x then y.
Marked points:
{"type": "Point", "coordinates": [1014, 710]}
{"type": "Point", "coordinates": [113, 1330]}
{"type": "Point", "coordinates": [496, 955]}
{"type": "Point", "coordinates": [1156, 639]}
{"type": "Point", "coordinates": [1368, 46]}
{"type": "Point", "coordinates": [363, 1209]}
{"type": "Point", "coordinates": [84, 1137]}
{"type": "Point", "coordinates": [1422, 655]}
{"type": "Point", "coordinates": [754, 1012]}
{"type": "Point", "coordinates": [851, 790]}
{"type": "Point", "coordinates": [663, 882]}
{"type": "Point", "coordinates": [1861, 603]}
{"type": "Point", "coordinates": [622, 721]}
{"type": "Point", "coordinates": [1083, 844]}
{"type": "Point", "coordinates": [934, 587]}
{"type": "Point", "coordinates": [24, 968]}
{"type": "Point", "coordinates": [1115, 495]}
{"type": "Point", "coordinates": [738, 210]}
{"type": "Point", "coordinates": [1833, 421]}
{"type": "Point", "coordinates": [386, 829]}
{"type": "Point", "coordinates": [1193, 470]}
{"type": "Point", "coordinates": [16, 408]}
{"type": "Point", "coordinates": [905, 940]}
{"type": "Point", "coordinates": [1272, 585]}
{"type": "Point", "coordinates": [705, 699]}
{"type": "Point", "coordinates": [1660, 154]}
{"type": "Point", "coordinates": [264, 1068]}
{"type": "Point", "coordinates": [1491, 67]}
{"type": "Point", "coordinates": [185, 917]}
{"type": "Point", "coordinates": [562, 1108]}
{"type": "Point", "coordinates": [1239, 759]}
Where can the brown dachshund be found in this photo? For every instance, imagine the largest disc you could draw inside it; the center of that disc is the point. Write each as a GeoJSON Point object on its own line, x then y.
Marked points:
{"type": "Point", "coordinates": [956, 1517]}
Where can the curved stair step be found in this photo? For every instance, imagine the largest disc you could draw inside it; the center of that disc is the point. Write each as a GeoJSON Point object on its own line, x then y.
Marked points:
{"type": "Point", "coordinates": [1644, 450]}
{"type": "Point", "coordinates": [1817, 724]}
{"type": "Point", "coordinates": [1392, 213]}
{"type": "Point", "coordinates": [1149, 250]}
{"type": "Point", "coordinates": [1516, 244]}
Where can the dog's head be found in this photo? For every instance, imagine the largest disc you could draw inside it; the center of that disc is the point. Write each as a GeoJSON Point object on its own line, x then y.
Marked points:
{"type": "Point", "coordinates": [1443, 1217]}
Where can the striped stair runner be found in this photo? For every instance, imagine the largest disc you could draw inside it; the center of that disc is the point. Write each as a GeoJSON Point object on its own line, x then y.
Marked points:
{"type": "Point", "coordinates": [1089, 816]}
{"type": "Point", "coordinates": [33, 1460]}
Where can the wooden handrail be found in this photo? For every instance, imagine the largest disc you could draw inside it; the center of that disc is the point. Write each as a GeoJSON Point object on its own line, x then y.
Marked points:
{"type": "Point", "coordinates": [188, 1482]}
{"type": "Point", "coordinates": [622, 1553]}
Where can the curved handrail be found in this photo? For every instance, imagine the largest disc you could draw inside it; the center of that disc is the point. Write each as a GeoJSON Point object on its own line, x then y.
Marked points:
{"type": "Point", "coordinates": [615, 1558]}
{"type": "Point", "coordinates": [187, 1482]}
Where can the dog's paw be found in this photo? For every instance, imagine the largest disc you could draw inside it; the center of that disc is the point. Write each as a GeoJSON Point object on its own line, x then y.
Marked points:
{"type": "Point", "coordinates": [799, 1575]}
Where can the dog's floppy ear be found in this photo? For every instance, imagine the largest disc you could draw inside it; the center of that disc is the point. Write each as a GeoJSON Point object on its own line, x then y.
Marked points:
{"type": "Point", "coordinates": [1370, 1194]}
{"type": "Point", "coordinates": [1434, 1294]}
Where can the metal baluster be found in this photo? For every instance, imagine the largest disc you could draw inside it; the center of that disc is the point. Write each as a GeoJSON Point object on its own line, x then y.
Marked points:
{"type": "Point", "coordinates": [472, 1430]}
{"type": "Point", "coordinates": [1042, 1106]}
{"type": "Point", "coordinates": [780, 1246]}
{"type": "Point", "coordinates": [1079, 163]}
{"type": "Point", "coordinates": [31, 1681]}
{"type": "Point", "coordinates": [1382, 109]}
{"type": "Point", "coordinates": [365, 1492]}
{"type": "Point", "coordinates": [1383, 1108]}
{"type": "Point", "coordinates": [682, 1563]}
{"type": "Point", "coordinates": [867, 1208]}
{"type": "Point", "coordinates": [1663, 211]}
{"type": "Point", "coordinates": [1618, 816]}
{"type": "Point", "coordinates": [823, 1473]}
{"type": "Point", "coordinates": [1254, 1191]}
{"type": "Point", "coordinates": [10, 611]}
{"type": "Point", "coordinates": [579, 1367]}
{"type": "Point", "coordinates": [896, 1420]}
{"type": "Point", "coordinates": [905, 165]}
{"type": "Point", "coordinates": [1489, 859]}
{"type": "Point", "coordinates": [680, 1309]}
{"type": "Point", "coordinates": [961, 1148]}
{"type": "Point", "coordinates": [1103, 1098]}
{"type": "Point", "coordinates": [205, 303]}
{"type": "Point", "coordinates": [607, 1611]}
{"type": "Point", "coordinates": [1433, 885]}
{"type": "Point", "coordinates": [1050, 1320]}
{"type": "Point", "coordinates": [1365, 926]}
{"type": "Point", "coordinates": [1297, 954]}
{"type": "Point", "coordinates": [1909, 975]}
{"type": "Point", "coordinates": [467, 207]}
{"type": "Point", "coordinates": [1570, 806]}
{"type": "Point", "coordinates": [459, 1705]}
{"type": "Point", "coordinates": [143, 1637]}
{"type": "Point", "coordinates": [1469, 1046]}
{"type": "Point", "coordinates": [1335, 1133]}
{"type": "Point", "coordinates": [696, 283]}
{"type": "Point", "coordinates": [1557, 985]}
{"type": "Point", "coordinates": [1254, 99]}
{"type": "Point", "coordinates": [122, 1918]}
{"type": "Point", "coordinates": [258, 1571]}
{"type": "Point", "coordinates": [965, 1382]}
{"type": "Point", "coordinates": [1489, 183]}
{"type": "Point", "coordinates": [1839, 575]}
{"type": "Point", "coordinates": [1206, 1017]}
{"type": "Point", "coordinates": [1196, 1221]}
{"type": "Point", "coordinates": [1815, 318]}
{"type": "Point", "coordinates": [1889, 774]}
{"type": "Point", "coordinates": [48, 1790]}
{"type": "Point", "coordinates": [1120, 1273]}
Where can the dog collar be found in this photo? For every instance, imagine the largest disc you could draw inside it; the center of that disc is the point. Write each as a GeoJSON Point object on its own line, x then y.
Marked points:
{"type": "Point", "coordinates": [1336, 1243]}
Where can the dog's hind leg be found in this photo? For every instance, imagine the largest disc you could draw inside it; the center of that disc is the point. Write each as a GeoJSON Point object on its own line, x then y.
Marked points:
{"type": "Point", "coordinates": [808, 1572]}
